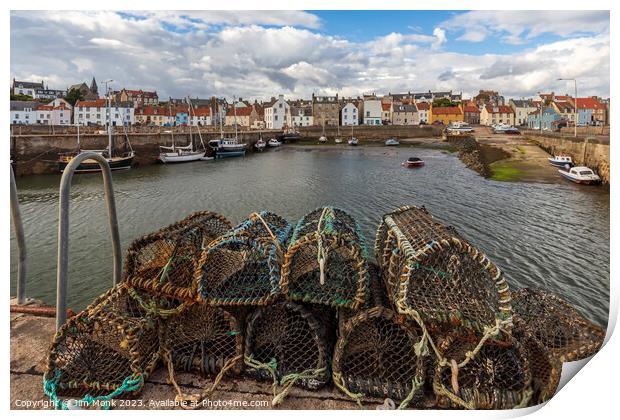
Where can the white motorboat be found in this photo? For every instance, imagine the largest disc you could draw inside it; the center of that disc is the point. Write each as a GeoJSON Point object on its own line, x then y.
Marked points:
{"type": "Point", "coordinates": [338, 141]}
{"type": "Point", "coordinates": [391, 142]}
{"type": "Point", "coordinates": [322, 139]}
{"type": "Point", "coordinates": [458, 127]}
{"type": "Point", "coordinates": [353, 141]}
{"type": "Point", "coordinates": [274, 143]}
{"type": "Point", "coordinates": [561, 161]}
{"type": "Point", "coordinates": [580, 175]}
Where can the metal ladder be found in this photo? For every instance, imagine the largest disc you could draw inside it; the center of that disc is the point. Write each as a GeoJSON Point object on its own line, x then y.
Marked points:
{"type": "Point", "coordinates": [63, 229]}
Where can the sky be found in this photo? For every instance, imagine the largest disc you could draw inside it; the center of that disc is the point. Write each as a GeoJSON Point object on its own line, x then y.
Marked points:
{"type": "Point", "coordinates": [260, 54]}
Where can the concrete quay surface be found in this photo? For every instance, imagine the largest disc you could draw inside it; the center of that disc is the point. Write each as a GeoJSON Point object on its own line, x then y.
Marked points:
{"type": "Point", "coordinates": [30, 340]}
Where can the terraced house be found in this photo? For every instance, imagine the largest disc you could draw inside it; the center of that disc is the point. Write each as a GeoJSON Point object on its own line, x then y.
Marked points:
{"type": "Point", "coordinates": [445, 114]}
{"type": "Point", "coordinates": [522, 108]}
{"type": "Point", "coordinates": [405, 115]}
{"type": "Point", "coordinates": [497, 114]}
{"type": "Point", "coordinates": [96, 113]}
{"type": "Point", "coordinates": [326, 110]}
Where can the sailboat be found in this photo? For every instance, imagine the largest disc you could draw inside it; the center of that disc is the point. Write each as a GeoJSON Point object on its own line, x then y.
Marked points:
{"type": "Point", "coordinates": [323, 139]}
{"type": "Point", "coordinates": [352, 140]}
{"type": "Point", "coordinates": [179, 154]}
{"type": "Point", "coordinates": [228, 147]}
{"type": "Point", "coordinates": [260, 144]}
{"type": "Point", "coordinates": [338, 139]}
{"type": "Point", "coordinates": [116, 160]}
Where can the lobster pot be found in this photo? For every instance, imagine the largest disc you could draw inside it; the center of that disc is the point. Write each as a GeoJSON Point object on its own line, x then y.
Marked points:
{"type": "Point", "coordinates": [545, 367]}
{"type": "Point", "coordinates": [326, 262]}
{"type": "Point", "coordinates": [428, 268]}
{"type": "Point", "coordinates": [113, 345]}
{"type": "Point", "coordinates": [203, 338]}
{"type": "Point", "coordinates": [375, 356]}
{"type": "Point", "coordinates": [287, 339]}
{"type": "Point", "coordinates": [557, 324]}
{"type": "Point", "coordinates": [497, 377]}
{"type": "Point", "coordinates": [243, 266]}
{"type": "Point", "coordinates": [165, 262]}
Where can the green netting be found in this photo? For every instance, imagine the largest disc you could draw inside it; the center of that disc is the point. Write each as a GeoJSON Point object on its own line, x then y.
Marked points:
{"type": "Point", "coordinates": [326, 262]}
{"type": "Point", "coordinates": [243, 266]}
{"type": "Point", "coordinates": [109, 348]}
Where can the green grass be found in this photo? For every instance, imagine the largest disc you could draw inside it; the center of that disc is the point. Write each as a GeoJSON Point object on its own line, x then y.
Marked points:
{"type": "Point", "coordinates": [505, 171]}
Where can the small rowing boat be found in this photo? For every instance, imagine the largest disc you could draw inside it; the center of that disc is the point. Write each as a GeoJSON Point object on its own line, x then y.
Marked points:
{"type": "Point", "coordinates": [413, 162]}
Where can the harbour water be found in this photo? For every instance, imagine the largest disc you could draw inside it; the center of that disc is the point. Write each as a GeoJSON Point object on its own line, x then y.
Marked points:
{"type": "Point", "coordinates": [552, 236]}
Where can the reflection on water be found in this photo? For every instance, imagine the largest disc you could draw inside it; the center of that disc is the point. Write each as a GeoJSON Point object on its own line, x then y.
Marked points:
{"type": "Point", "coordinates": [554, 236]}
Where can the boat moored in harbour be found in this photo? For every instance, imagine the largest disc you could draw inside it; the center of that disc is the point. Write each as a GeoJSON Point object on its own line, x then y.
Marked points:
{"type": "Point", "coordinates": [392, 142]}
{"type": "Point", "coordinates": [580, 175]}
{"type": "Point", "coordinates": [181, 154]}
{"type": "Point", "coordinates": [353, 141]}
{"type": "Point", "coordinates": [561, 161]}
{"type": "Point", "coordinates": [228, 147]}
{"type": "Point", "coordinates": [413, 162]}
{"type": "Point", "coordinates": [260, 145]}
{"type": "Point", "coordinates": [274, 143]}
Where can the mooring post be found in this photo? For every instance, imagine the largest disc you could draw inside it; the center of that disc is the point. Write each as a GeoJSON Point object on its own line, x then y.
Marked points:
{"type": "Point", "coordinates": [63, 229]}
{"type": "Point", "coordinates": [21, 242]}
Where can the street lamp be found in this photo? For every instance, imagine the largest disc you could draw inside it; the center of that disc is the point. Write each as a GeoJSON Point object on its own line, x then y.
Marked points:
{"type": "Point", "coordinates": [576, 110]}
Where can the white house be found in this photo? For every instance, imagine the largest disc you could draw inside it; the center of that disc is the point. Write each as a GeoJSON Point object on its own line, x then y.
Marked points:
{"type": "Point", "coordinates": [372, 111]}
{"type": "Point", "coordinates": [26, 88]}
{"type": "Point", "coordinates": [96, 113]}
{"type": "Point", "coordinates": [24, 112]}
{"type": "Point", "coordinates": [423, 109]}
{"type": "Point", "coordinates": [53, 115]}
{"type": "Point", "coordinates": [200, 116]}
{"type": "Point", "coordinates": [349, 114]}
{"type": "Point", "coordinates": [301, 116]}
{"type": "Point", "coordinates": [277, 113]}
{"type": "Point", "coordinates": [522, 108]}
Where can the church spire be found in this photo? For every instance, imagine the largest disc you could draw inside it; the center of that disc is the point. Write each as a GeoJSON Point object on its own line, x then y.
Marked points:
{"type": "Point", "coordinates": [93, 87]}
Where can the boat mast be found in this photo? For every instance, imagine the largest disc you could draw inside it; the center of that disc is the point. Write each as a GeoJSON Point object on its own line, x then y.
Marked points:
{"type": "Point", "coordinates": [109, 125]}
{"type": "Point", "coordinates": [171, 127]}
{"type": "Point", "coordinates": [219, 116]}
{"type": "Point", "coordinates": [235, 113]}
{"type": "Point", "coordinates": [78, 138]}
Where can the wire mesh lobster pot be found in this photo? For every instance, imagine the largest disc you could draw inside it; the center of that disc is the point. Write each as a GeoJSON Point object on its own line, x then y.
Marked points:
{"type": "Point", "coordinates": [557, 324]}
{"type": "Point", "coordinates": [110, 347]}
{"type": "Point", "coordinates": [497, 377]}
{"type": "Point", "coordinates": [326, 262]}
{"type": "Point", "coordinates": [375, 356]}
{"type": "Point", "coordinates": [286, 340]}
{"type": "Point", "coordinates": [202, 338]}
{"type": "Point", "coordinates": [243, 266]}
{"type": "Point", "coordinates": [429, 269]}
{"type": "Point", "coordinates": [546, 368]}
{"type": "Point", "coordinates": [165, 262]}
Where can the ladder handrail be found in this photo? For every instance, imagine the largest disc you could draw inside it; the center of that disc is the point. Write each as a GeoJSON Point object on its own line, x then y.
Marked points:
{"type": "Point", "coordinates": [18, 226]}
{"type": "Point", "coordinates": [63, 229]}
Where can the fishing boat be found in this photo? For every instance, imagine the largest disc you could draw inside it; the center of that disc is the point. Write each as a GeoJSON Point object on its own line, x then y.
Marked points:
{"type": "Point", "coordinates": [561, 161]}
{"type": "Point", "coordinates": [459, 127]}
{"type": "Point", "coordinates": [580, 175]}
{"type": "Point", "coordinates": [289, 135]}
{"type": "Point", "coordinates": [391, 142]}
{"type": "Point", "coordinates": [260, 144]}
{"type": "Point", "coordinates": [274, 143]}
{"type": "Point", "coordinates": [117, 159]}
{"type": "Point", "coordinates": [180, 154]}
{"type": "Point", "coordinates": [228, 147]}
{"type": "Point", "coordinates": [413, 162]}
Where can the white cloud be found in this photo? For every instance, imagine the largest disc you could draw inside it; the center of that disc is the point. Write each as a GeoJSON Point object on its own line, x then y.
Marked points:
{"type": "Point", "coordinates": [248, 59]}
{"type": "Point", "coordinates": [515, 26]}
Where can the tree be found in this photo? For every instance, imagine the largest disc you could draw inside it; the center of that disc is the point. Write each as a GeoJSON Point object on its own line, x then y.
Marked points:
{"type": "Point", "coordinates": [73, 96]}
{"type": "Point", "coordinates": [443, 102]}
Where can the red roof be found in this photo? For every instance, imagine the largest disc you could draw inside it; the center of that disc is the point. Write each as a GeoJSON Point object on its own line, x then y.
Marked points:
{"type": "Point", "coordinates": [97, 103]}
{"type": "Point", "coordinates": [422, 106]}
{"type": "Point", "coordinates": [500, 109]}
{"type": "Point", "coordinates": [201, 112]}
{"type": "Point", "coordinates": [446, 110]}
{"type": "Point", "coordinates": [589, 103]}
{"type": "Point", "coordinates": [386, 107]}
{"type": "Point", "coordinates": [470, 108]}
{"type": "Point", "coordinates": [241, 111]}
